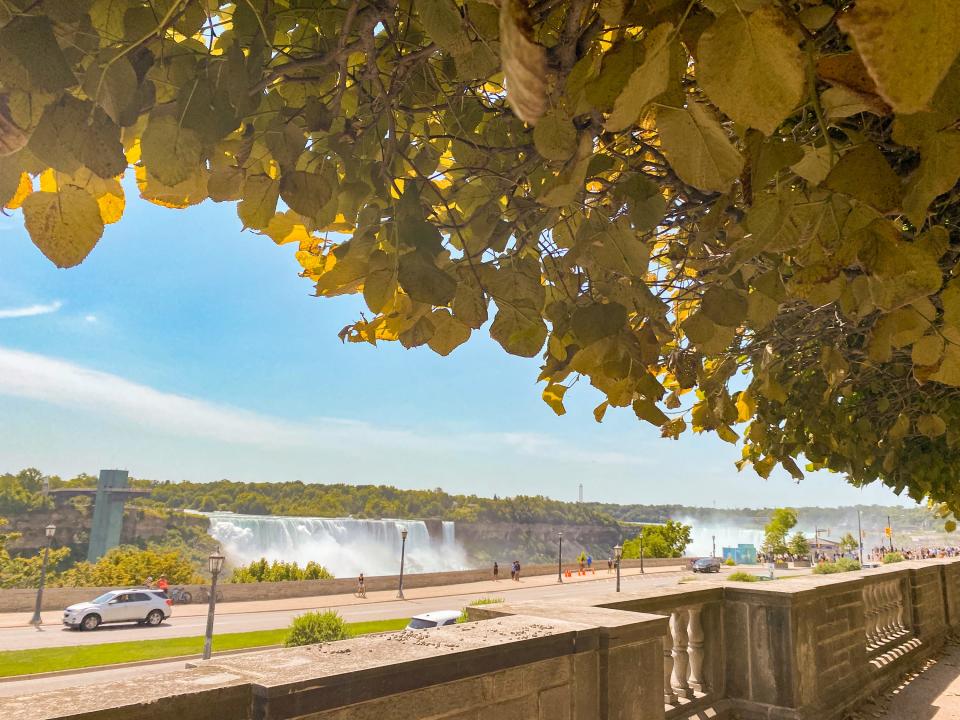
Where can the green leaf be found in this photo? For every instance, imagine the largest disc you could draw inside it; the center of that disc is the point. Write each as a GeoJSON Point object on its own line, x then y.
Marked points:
{"type": "Point", "coordinates": [863, 173]}
{"type": "Point", "coordinates": [907, 46]}
{"type": "Point", "coordinates": [697, 147]}
{"type": "Point", "coordinates": [647, 81]}
{"type": "Point", "coordinates": [938, 173]}
{"type": "Point", "coordinates": [442, 20]}
{"type": "Point", "coordinates": [555, 137]}
{"type": "Point", "coordinates": [931, 425]}
{"type": "Point", "coordinates": [380, 285]}
{"type": "Point", "coordinates": [724, 306]}
{"type": "Point", "coordinates": [171, 153]}
{"type": "Point", "coordinates": [65, 224]}
{"type": "Point", "coordinates": [448, 334]}
{"type": "Point", "coordinates": [74, 133]}
{"type": "Point", "coordinates": [593, 322]}
{"type": "Point", "coordinates": [470, 305]}
{"type": "Point", "coordinates": [423, 281]}
{"type": "Point", "coordinates": [648, 410]}
{"type": "Point", "coordinates": [751, 66]}
{"type": "Point", "coordinates": [30, 57]}
{"type": "Point", "coordinates": [305, 192]}
{"type": "Point", "coordinates": [259, 204]}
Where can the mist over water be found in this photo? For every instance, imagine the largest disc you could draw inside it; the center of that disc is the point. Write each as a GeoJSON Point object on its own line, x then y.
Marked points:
{"type": "Point", "coordinates": [726, 536]}
{"type": "Point", "coordinates": [345, 546]}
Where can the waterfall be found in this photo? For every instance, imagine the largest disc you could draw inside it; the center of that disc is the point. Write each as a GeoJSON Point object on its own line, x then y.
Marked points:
{"type": "Point", "coordinates": [345, 546]}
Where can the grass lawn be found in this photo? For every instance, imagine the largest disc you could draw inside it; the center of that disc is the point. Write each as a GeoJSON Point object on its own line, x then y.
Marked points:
{"type": "Point", "coordinates": [24, 662]}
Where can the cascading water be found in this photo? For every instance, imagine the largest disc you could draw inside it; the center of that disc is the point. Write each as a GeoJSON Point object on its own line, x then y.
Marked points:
{"type": "Point", "coordinates": [345, 546]}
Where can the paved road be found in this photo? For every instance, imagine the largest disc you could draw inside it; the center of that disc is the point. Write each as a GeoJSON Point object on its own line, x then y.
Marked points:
{"type": "Point", "coordinates": [191, 620]}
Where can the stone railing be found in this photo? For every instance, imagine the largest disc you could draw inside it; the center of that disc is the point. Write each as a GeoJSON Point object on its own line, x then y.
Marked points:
{"type": "Point", "coordinates": [811, 647]}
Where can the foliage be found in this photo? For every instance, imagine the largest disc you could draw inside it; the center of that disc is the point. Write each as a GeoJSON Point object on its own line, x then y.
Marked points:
{"type": "Point", "coordinates": [24, 572]}
{"type": "Point", "coordinates": [841, 565]}
{"type": "Point", "coordinates": [799, 546]}
{"type": "Point", "coordinates": [316, 627]}
{"type": "Point", "coordinates": [743, 577]}
{"type": "Point", "coordinates": [655, 195]}
{"type": "Point", "coordinates": [848, 543]}
{"type": "Point", "coordinates": [730, 562]}
{"type": "Point", "coordinates": [659, 541]}
{"type": "Point", "coordinates": [486, 601]}
{"type": "Point", "coordinates": [21, 493]}
{"type": "Point", "coordinates": [262, 571]}
{"type": "Point", "coordinates": [782, 520]}
{"type": "Point", "coordinates": [375, 501]}
{"type": "Point", "coordinates": [893, 557]}
{"type": "Point", "coordinates": [129, 565]}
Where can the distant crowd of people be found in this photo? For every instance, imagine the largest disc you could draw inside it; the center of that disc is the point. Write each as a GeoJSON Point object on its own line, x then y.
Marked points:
{"type": "Point", "coordinates": [920, 553]}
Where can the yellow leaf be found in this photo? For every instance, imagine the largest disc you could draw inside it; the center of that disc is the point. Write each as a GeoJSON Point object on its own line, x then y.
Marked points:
{"type": "Point", "coordinates": [553, 396]}
{"type": "Point", "coordinates": [24, 188]}
{"type": "Point", "coordinates": [65, 225]}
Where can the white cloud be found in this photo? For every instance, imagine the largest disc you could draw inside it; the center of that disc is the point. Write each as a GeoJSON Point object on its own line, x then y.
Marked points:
{"type": "Point", "coordinates": [64, 384]}
{"type": "Point", "coordinates": [90, 318]}
{"type": "Point", "coordinates": [30, 310]}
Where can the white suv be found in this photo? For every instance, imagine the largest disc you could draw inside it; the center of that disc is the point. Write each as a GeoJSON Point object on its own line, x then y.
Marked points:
{"type": "Point", "coordinates": [140, 605]}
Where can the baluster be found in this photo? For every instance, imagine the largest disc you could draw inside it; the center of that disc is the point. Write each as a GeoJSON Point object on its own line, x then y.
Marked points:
{"type": "Point", "coordinates": [678, 626]}
{"type": "Point", "coordinates": [888, 611]}
{"type": "Point", "coordinates": [669, 696]}
{"type": "Point", "coordinates": [869, 613]}
{"type": "Point", "coordinates": [695, 649]}
{"type": "Point", "coordinates": [898, 608]}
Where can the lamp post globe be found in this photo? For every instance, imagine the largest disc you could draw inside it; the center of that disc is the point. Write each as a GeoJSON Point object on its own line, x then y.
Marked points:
{"type": "Point", "coordinates": [403, 553]}
{"type": "Point", "coordinates": [618, 554]}
{"type": "Point", "coordinates": [215, 565]}
{"type": "Point", "coordinates": [49, 531]}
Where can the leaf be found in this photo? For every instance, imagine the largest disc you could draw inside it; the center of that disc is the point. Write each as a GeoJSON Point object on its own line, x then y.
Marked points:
{"type": "Point", "coordinates": [65, 224]}
{"type": "Point", "coordinates": [931, 425]}
{"type": "Point", "coordinates": [927, 350]}
{"type": "Point", "coordinates": [30, 57]}
{"type": "Point", "coordinates": [815, 165]}
{"type": "Point", "coordinates": [938, 173]}
{"type": "Point", "coordinates": [555, 137]}
{"type": "Point", "coordinates": [305, 192]}
{"type": "Point", "coordinates": [259, 204]}
{"type": "Point", "coordinates": [863, 173]}
{"type": "Point", "coordinates": [113, 86]}
{"type": "Point", "coordinates": [75, 133]}
{"type": "Point", "coordinates": [524, 63]}
{"type": "Point", "coordinates": [448, 334]}
{"type": "Point", "coordinates": [724, 306]}
{"type": "Point", "coordinates": [470, 305]}
{"type": "Point", "coordinates": [697, 147]}
{"type": "Point", "coordinates": [594, 322]}
{"type": "Point", "coordinates": [442, 20]}
{"type": "Point", "coordinates": [423, 281]}
{"type": "Point", "coordinates": [751, 67]}
{"type": "Point", "coordinates": [646, 82]}
{"type": "Point", "coordinates": [648, 410]}
{"type": "Point", "coordinates": [171, 153]}
{"type": "Point", "coordinates": [518, 332]}
{"type": "Point", "coordinates": [907, 46]}
{"type": "Point", "coordinates": [553, 396]}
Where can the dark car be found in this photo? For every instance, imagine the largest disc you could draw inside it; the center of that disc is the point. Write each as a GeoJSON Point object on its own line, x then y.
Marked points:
{"type": "Point", "coordinates": [706, 565]}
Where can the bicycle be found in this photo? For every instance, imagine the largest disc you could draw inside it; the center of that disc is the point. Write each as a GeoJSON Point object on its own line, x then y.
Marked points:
{"type": "Point", "coordinates": [204, 595]}
{"type": "Point", "coordinates": [179, 596]}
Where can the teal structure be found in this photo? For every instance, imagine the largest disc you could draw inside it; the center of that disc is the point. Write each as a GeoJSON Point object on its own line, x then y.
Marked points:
{"type": "Point", "coordinates": [107, 513]}
{"type": "Point", "coordinates": [743, 554]}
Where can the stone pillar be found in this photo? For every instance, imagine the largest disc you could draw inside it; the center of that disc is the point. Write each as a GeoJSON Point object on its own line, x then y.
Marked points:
{"type": "Point", "coordinates": [678, 628]}
{"type": "Point", "coordinates": [695, 650]}
{"type": "Point", "coordinates": [669, 696]}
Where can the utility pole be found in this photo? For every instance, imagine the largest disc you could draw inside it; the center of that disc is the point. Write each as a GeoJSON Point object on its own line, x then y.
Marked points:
{"type": "Point", "coordinates": [713, 542]}
{"type": "Point", "coordinates": [890, 531]}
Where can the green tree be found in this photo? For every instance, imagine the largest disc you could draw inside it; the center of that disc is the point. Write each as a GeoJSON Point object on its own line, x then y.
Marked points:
{"type": "Point", "coordinates": [660, 541]}
{"type": "Point", "coordinates": [653, 195]}
{"type": "Point", "coordinates": [127, 565]}
{"type": "Point", "coordinates": [24, 571]}
{"type": "Point", "coordinates": [782, 521]}
{"type": "Point", "coordinates": [848, 543]}
{"type": "Point", "coordinates": [799, 546]}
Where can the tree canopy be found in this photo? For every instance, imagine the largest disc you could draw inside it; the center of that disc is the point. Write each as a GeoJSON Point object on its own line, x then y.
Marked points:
{"type": "Point", "coordinates": [656, 196]}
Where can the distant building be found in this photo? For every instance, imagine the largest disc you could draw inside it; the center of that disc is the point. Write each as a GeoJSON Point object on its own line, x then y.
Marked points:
{"type": "Point", "coordinates": [743, 554]}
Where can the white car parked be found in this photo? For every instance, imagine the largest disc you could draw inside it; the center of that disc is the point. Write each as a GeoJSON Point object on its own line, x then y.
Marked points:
{"type": "Point", "coordinates": [437, 618]}
{"type": "Point", "coordinates": [139, 605]}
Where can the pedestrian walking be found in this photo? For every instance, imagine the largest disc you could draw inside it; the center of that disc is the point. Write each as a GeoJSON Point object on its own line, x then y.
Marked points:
{"type": "Point", "coordinates": [361, 587]}
{"type": "Point", "coordinates": [609, 565]}
{"type": "Point", "coordinates": [513, 570]}
{"type": "Point", "coordinates": [496, 572]}
{"type": "Point", "coordinates": [589, 562]}
{"type": "Point", "coordinates": [518, 571]}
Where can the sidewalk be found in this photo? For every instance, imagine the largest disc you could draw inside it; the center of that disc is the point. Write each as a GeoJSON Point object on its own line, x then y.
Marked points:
{"type": "Point", "coordinates": [932, 693]}
{"type": "Point", "coordinates": [8, 620]}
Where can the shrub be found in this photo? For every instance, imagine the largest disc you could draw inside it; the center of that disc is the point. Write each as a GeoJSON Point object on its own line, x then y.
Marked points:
{"type": "Point", "coordinates": [316, 627]}
{"type": "Point", "coordinates": [729, 562]}
{"type": "Point", "coordinates": [262, 571]}
{"type": "Point", "coordinates": [743, 577]}
{"type": "Point", "coordinates": [486, 601]}
{"type": "Point", "coordinates": [893, 557]}
{"type": "Point", "coordinates": [841, 565]}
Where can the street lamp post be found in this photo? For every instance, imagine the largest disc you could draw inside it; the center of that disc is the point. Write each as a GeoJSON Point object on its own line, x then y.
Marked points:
{"type": "Point", "coordinates": [36, 620]}
{"type": "Point", "coordinates": [216, 565]}
{"type": "Point", "coordinates": [860, 536]}
{"type": "Point", "coordinates": [642, 572]}
{"type": "Point", "coordinates": [618, 553]}
{"type": "Point", "coordinates": [403, 553]}
{"type": "Point", "coordinates": [559, 557]}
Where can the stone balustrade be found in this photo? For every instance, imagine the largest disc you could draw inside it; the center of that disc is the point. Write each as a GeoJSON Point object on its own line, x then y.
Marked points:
{"type": "Point", "coordinates": [809, 648]}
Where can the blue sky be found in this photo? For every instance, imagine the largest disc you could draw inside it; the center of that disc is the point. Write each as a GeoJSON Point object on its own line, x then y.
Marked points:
{"type": "Point", "coordinates": [184, 348]}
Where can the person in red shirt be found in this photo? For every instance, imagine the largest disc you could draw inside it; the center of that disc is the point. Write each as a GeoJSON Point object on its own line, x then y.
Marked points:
{"type": "Point", "coordinates": [162, 584]}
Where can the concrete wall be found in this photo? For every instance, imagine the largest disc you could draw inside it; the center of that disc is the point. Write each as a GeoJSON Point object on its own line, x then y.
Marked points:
{"type": "Point", "coordinates": [59, 598]}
